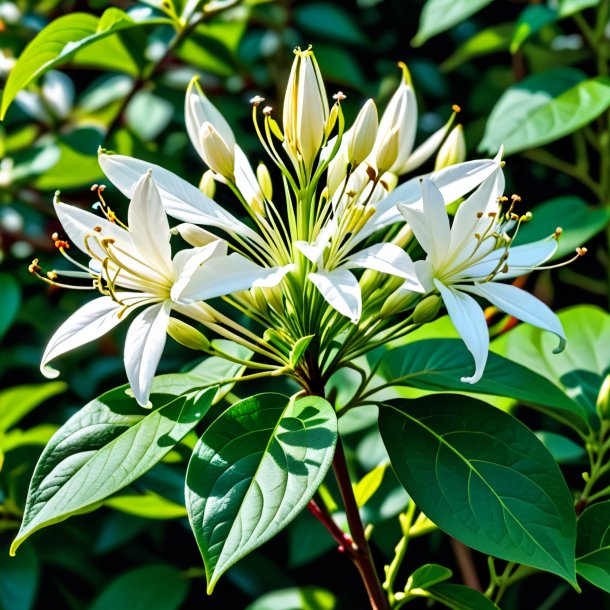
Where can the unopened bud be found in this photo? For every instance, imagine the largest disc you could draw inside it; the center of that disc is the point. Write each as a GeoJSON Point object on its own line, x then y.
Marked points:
{"type": "Point", "coordinates": [207, 184]}
{"type": "Point", "coordinates": [332, 120]}
{"type": "Point", "coordinates": [193, 235]}
{"type": "Point", "coordinates": [216, 153]}
{"type": "Point", "coordinates": [363, 133]}
{"type": "Point", "coordinates": [453, 150]}
{"type": "Point", "coordinates": [388, 151]}
{"type": "Point", "coordinates": [264, 180]}
{"type": "Point", "coordinates": [603, 400]}
{"type": "Point", "coordinates": [401, 300]}
{"type": "Point", "coordinates": [427, 309]}
{"type": "Point", "coordinates": [186, 335]}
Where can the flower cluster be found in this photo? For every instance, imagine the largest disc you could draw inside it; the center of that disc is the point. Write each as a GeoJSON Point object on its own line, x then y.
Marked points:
{"type": "Point", "coordinates": [330, 259]}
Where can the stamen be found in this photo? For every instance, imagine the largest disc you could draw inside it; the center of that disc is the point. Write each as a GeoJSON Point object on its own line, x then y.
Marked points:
{"type": "Point", "coordinates": [456, 108]}
{"type": "Point", "coordinates": [339, 96]}
{"type": "Point", "coordinates": [257, 100]}
{"type": "Point", "coordinates": [267, 110]}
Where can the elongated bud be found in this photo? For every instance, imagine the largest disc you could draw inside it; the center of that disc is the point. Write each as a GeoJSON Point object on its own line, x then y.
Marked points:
{"type": "Point", "coordinates": [264, 180]}
{"type": "Point", "coordinates": [207, 184]}
{"type": "Point", "coordinates": [193, 235]}
{"type": "Point", "coordinates": [305, 108]}
{"type": "Point", "coordinates": [603, 400]}
{"type": "Point", "coordinates": [387, 153]}
{"type": "Point", "coordinates": [216, 153]}
{"type": "Point", "coordinates": [363, 133]}
{"type": "Point", "coordinates": [398, 301]}
{"type": "Point", "coordinates": [453, 150]}
{"type": "Point", "coordinates": [186, 335]}
{"type": "Point", "coordinates": [337, 171]}
{"type": "Point", "coordinates": [427, 309]}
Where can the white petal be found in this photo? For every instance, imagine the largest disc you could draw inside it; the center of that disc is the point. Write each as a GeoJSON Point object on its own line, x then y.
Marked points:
{"type": "Point", "coordinates": [522, 305]}
{"type": "Point", "coordinates": [148, 224]}
{"type": "Point", "coordinates": [180, 199]}
{"type": "Point", "coordinates": [86, 324]}
{"type": "Point", "coordinates": [314, 251]}
{"type": "Point", "coordinates": [186, 262]}
{"type": "Point", "coordinates": [387, 258]}
{"type": "Point", "coordinates": [425, 150]}
{"type": "Point", "coordinates": [222, 275]}
{"type": "Point", "coordinates": [341, 290]}
{"type": "Point", "coordinates": [144, 344]}
{"type": "Point", "coordinates": [245, 179]}
{"type": "Point", "coordinates": [194, 235]}
{"type": "Point", "coordinates": [273, 276]}
{"type": "Point", "coordinates": [469, 320]}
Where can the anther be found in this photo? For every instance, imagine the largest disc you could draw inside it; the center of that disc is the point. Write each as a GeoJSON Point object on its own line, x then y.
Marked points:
{"type": "Point", "coordinates": [267, 110]}
{"type": "Point", "coordinates": [339, 96]}
{"type": "Point", "coordinates": [371, 173]}
{"type": "Point", "coordinates": [505, 268]}
{"type": "Point", "coordinates": [60, 243]}
{"type": "Point", "coordinates": [479, 214]}
{"type": "Point", "coordinates": [256, 100]}
{"type": "Point", "coordinates": [101, 188]}
{"type": "Point", "coordinates": [526, 217]}
{"type": "Point", "coordinates": [514, 216]}
{"type": "Point", "coordinates": [477, 235]}
{"type": "Point", "coordinates": [515, 198]}
{"type": "Point", "coordinates": [94, 187]}
{"type": "Point", "coordinates": [492, 214]}
{"type": "Point", "coordinates": [502, 199]}
{"type": "Point", "coordinates": [97, 229]}
{"type": "Point", "coordinates": [34, 267]}
{"type": "Point", "coordinates": [52, 275]}
{"type": "Point", "coordinates": [55, 236]}
{"type": "Point", "coordinates": [456, 108]}
{"type": "Point", "coordinates": [558, 232]}
{"type": "Point", "coordinates": [581, 251]}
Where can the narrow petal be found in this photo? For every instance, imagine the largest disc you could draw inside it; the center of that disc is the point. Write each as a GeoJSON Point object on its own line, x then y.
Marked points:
{"type": "Point", "coordinates": [180, 199]}
{"type": "Point", "coordinates": [341, 290]}
{"type": "Point", "coordinates": [387, 258]}
{"type": "Point", "coordinates": [86, 324]}
{"type": "Point", "coordinates": [273, 276]}
{"type": "Point", "coordinates": [194, 235]}
{"type": "Point", "coordinates": [246, 181]}
{"type": "Point", "coordinates": [522, 305]}
{"type": "Point", "coordinates": [148, 224]}
{"type": "Point", "coordinates": [469, 320]}
{"type": "Point", "coordinates": [314, 251]}
{"type": "Point", "coordinates": [222, 275]}
{"type": "Point", "coordinates": [426, 149]}
{"type": "Point", "coordinates": [144, 344]}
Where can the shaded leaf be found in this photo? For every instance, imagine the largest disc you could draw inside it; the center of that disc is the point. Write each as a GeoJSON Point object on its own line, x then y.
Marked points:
{"type": "Point", "coordinates": [148, 505]}
{"type": "Point", "coordinates": [302, 598]}
{"type": "Point", "coordinates": [19, 578]}
{"type": "Point", "coordinates": [330, 22]}
{"type": "Point", "coordinates": [427, 576]}
{"type": "Point", "coordinates": [531, 20]}
{"type": "Point", "coordinates": [461, 597]}
{"type": "Point", "coordinates": [593, 545]}
{"type": "Point", "coordinates": [10, 299]}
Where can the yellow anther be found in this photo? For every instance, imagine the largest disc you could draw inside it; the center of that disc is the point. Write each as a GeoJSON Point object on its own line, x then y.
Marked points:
{"type": "Point", "coordinates": [456, 108]}
{"type": "Point", "coordinates": [581, 251]}
{"type": "Point", "coordinates": [52, 275]}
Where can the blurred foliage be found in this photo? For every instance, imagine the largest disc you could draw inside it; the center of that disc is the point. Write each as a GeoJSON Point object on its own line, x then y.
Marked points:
{"type": "Point", "coordinates": [530, 75]}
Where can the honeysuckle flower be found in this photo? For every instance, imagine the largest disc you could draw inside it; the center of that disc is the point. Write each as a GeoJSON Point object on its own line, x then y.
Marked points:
{"type": "Point", "coordinates": [305, 112]}
{"type": "Point", "coordinates": [133, 268]}
{"type": "Point", "coordinates": [333, 261]}
{"type": "Point", "coordinates": [469, 256]}
{"type": "Point", "coordinates": [363, 134]}
{"type": "Point", "coordinates": [453, 149]}
{"type": "Point", "coordinates": [213, 139]}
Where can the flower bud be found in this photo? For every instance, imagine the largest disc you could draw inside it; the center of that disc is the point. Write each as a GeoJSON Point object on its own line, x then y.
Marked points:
{"type": "Point", "coordinates": [186, 335]}
{"type": "Point", "coordinates": [387, 152]}
{"type": "Point", "coordinates": [427, 309]}
{"type": "Point", "coordinates": [603, 400]}
{"type": "Point", "coordinates": [305, 108]}
{"type": "Point", "coordinates": [207, 184]}
{"type": "Point", "coordinates": [194, 235]}
{"type": "Point", "coordinates": [215, 151]}
{"type": "Point", "coordinates": [398, 301]}
{"type": "Point", "coordinates": [453, 150]}
{"type": "Point", "coordinates": [363, 133]}
{"type": "Point", "coordinates": [264, 180]}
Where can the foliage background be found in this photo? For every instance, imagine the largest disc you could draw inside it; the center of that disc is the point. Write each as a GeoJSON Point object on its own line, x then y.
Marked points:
{"type": "Point", "coordinates": [94, 560]}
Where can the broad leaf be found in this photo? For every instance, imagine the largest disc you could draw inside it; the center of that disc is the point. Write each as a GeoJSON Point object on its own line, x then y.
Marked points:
{"type": "Point", "coordinates": [527, 117]}
{"type": "Point", "coordinates": [60, 41]}
{"type": "Point", "coordinates": [303, 598]}
{"type": "Point", "coordinates": [580, 369]}
{"type": "Point", "coordinates": [460, 597]}
{"type": "Point", "coordinates": [18, 401]}
{"type": "Point", "coordinates": [593, 545]}
{"type": "Point", "coordinates": [148, 505]}
{"type": "Point", "coordinates": [579, 222]}
{"type": "Point", "coordinates": [484, 478]}
{"type": "Point", "coordinates": [439, 364]}
{"type": "Point", "coordinates": [104, 447]}
{"type": "Point", "coordinates": [369, 484]}
{"type": "Point", "coordinates": [253, 471]}
{"type": "Point", "coordinates": [563, 449]}
{"type": "Point", "coordinates": [531, 20]}
{"type": "Point", "coordinates": [10, 299]}
{"type": "Point", "coordinates": [440, 15]}
{"type": "Point", "coordinates": [154, 587]}
{"type": "Point", "coordinates": [427, 576]}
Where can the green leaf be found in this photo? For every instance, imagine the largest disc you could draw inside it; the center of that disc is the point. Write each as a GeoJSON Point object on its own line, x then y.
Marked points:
{"type": "Point", "coordinates": [59, 41]}
{"type": "Point", "coordinates": [490, 40]}
{"type": "Point", "coordinates": [104, 447]}
{"type": "Point", "coordinates": [439, 364]}
{"type": "Point", "coordinates": [154, 587]}
{"type": "Point", "coordinates": [440, 15]}
{"type": "Point", "coordinates": [302, 598]}
{"type": "Point", "coordinates": [10, 300]}
{"type": "Point", "coordinates": [148, 505]}
{"type": "Point", "coordinates": [299, 348]}
{"type": "Point", "coordinates": [369, 484]}
{"type": "Point", "coordinates": [579, 222]}
{"type": "Point", "coordinates": [329, 22]}
{"type": "Point", "coordinates": [19, 578]}
{"type": "Point", "coordinates": [563, 449]}
{"type": "Point", "coordinates": [18, 401]}
{"type": "Point", "coordinates": [461, 597]}
{"type": "Point", "coordinates": [580, 369]}
{"type": "Point", "coordinates": [427, 576]}
{"type": "Point", "coordinates": [254, 469]}
{"type": "Point", "coordinates": [148, 115]}
{"type": "Point", "coordinates": [37, 435]}
{"type": "Point", "coordinates": [570, 7]}
{"type": "Point", "coordinates": [484, 478]}
{"type": "Point", "coordinates": [593, 545]}
{"type": "Point", "coordinates": [531, 20]}
{"type": "Point", "coordinates": [340, 67]}
{"type": "Point", "coordinates": [539, 110]}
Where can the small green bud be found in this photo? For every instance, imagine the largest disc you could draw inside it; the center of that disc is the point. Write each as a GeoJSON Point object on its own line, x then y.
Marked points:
{"type": "Point", "coordinates": [401, 300]}
{"type": "Point", "coordinates": [264, 180]}
{"type": "Point", "coordinates": [186, 335]}
{"type": "Point", "coordinates": [207, 184]}
{"type": "Point", "coordinates": [427, 309]}
{"type": "Point", "coordinates": [453, 150]}
{"type": "Point", "coordinates": [603, 400]}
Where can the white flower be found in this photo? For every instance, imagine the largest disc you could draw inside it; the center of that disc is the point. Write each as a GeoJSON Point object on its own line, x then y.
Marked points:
{"type": "Point", "coordinates": [333, 278]}
{"type": "Point", "coordinates": [207, 128]}
{"type": "Point", "coordinates": [470, 255]}
{"type": "Point", "coordinates": [453, 150]}
{"type": "Point", "coordinates": [363, 133]}
{"type": "Point", "coordinates": [134, 268]}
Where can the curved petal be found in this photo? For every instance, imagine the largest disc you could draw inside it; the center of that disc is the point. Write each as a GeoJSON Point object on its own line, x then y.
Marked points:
{"type": "Point", "coordinates": [86, 324]}
{"type": "Point", "coordinates": [469, 320]}
{"type": "Point", "coordinates": [387, 258]}
{"type": "Point", "coordinates": [273, 276]}
{"type": "Point", "coordinates": [522, 305]}
{"type": "Point", "coordinates": [246, 181]}
{"type": "Point", "coordinates": [194, 235]}
{"type": "Point", "coordinates": [148, 224]}
{"type": "Point", "coordinates": [180, 199]}
{"type": "Point", "coordinates": [341, 291]}
{"type": "Point", "coordinates": [426, 149]}
{"type": "Point", "coordinates": [144, 344]}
